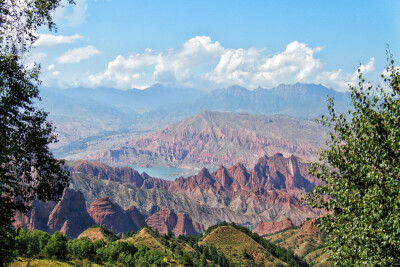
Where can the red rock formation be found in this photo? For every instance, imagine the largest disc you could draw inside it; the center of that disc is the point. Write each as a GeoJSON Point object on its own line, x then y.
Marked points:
{"type": "Point", "coordinates": [185, 226]}
{"type": "Point", "coordinates": [106, 213]}
{"type": "Point", "coordinates": [215, 138]}
{"type": "Point", "coordinates": [122, 175]}
{"type": "Point", "coordinates": [136, 217]}
{"type": "Point", "coordinates": [37, 217]}
{"type": "Point", "coordinates": [166, 220]}
{"type": "Point", "coordinates": [70, 215]}
{"type": "Point", "coordinates": [270, 191]}
{"type": "Point", "coordinates": [264, 228]}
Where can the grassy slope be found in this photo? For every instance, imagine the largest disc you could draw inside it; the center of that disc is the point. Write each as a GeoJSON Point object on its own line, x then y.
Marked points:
{"type": "Point", "coordinates": [146, 238]}
{"type": "Point", "coordinates": [22, 262]}
{"type": "Point", "coordinates": [232, 242]}
{"type": "Point", "coordinates": [94, 234]}
{"type": "Point", "coordinates": [303, 241]}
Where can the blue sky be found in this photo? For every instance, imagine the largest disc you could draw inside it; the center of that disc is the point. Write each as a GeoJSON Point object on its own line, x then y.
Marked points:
{"type": "Point", "coordinates": [212, 44]}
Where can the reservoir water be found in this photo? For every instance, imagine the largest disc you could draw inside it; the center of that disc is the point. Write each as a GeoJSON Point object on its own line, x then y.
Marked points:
{"type": "Point", "coordinates": [166, 173]}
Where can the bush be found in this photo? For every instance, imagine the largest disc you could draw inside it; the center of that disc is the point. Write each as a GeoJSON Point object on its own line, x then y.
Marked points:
{"type": "Point", "coordinates": [57, 246]}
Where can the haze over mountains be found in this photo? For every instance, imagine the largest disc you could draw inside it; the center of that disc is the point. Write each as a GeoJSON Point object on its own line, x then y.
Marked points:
{"type": "Point", "coordinates": [213, 138]}
{"type": "Point", "coordinates": [258, 142]}
{"type": "Point", "coordinates": [93, 120]}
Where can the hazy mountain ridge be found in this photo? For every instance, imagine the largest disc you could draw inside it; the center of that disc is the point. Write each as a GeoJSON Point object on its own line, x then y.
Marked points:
{"type": "Point", "coordinates": [214, 138]}
{"type": "Point", "coordinates": [299, 100]}
{"type": "Point", "coordinates": [270, 191]}
{"type": "Point", "coordinates": [86, 116]}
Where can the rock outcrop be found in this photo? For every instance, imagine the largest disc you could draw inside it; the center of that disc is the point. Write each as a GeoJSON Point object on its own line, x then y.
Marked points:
{"type": "Point", "coordinates": [37, 217]}
{"type": "Point", "coordinates": [214, 138]}
{"type": "Point", "coordinates": [109, 214]}
{"type": "Point", "coordinates": [270, 191]}
{"type": "Point", "coordinates": [264, 228]}
{"type": "Point", "coordinates": [179, 224]}
{"type": "Point", "coordinates": [136, 217]}
{"type": "Point", "coordinates": [70, 216]}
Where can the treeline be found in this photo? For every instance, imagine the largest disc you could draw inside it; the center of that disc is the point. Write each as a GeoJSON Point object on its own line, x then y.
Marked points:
{"type": "Point", "coordinates": [183, 250]}
{"type": "Point", "coordinates": [283, 254]}
{"type": "Point", "coordinates": [38, 244]}
{"type": "Point", "coordinates": [41, 245]}
{"type": "Point", "coordinates": [203, 255]}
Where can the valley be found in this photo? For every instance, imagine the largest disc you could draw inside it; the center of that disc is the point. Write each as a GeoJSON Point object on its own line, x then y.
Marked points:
{"type": "Point", "coordinates": [162, 165]}
{"type": "Point", "coordinates": [118, 127]}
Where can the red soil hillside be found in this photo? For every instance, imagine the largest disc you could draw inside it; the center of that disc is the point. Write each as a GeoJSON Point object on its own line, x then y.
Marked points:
{"type": "Point", "coordinates": [166, 220]}
{"type": "Point", "coordinates": [214, 138]}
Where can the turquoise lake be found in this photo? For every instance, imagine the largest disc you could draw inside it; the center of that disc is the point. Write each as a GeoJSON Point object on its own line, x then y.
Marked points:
{"type": "Point", "coordinates": [167, 173]}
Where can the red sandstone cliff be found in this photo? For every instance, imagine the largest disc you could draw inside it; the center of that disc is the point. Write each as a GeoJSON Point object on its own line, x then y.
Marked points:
{"type": "Point", "coordinates": [264, 228]}
{"type": "Point", "coordinates": [70, 216]}
{"type": "Point", "coordinates": [270, 191]}
{"type": "Point", "coordinates": [166, 220]}
{"type": "Point", "coordinates": [215, 138]}
{"type": "Point", "coordinates": [109, 214]}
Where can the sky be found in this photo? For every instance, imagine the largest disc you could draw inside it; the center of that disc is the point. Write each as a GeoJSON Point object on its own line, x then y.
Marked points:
{"type": "Point", "coordinates": [204, 44]}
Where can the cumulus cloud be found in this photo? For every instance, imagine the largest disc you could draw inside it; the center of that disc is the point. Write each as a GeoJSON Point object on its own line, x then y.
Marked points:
{"type": "Point", "coordinates": [173, 66]}
{"type": "Point", "coordinates": [56, 73]}
{"type": "Point", "coordinates": [34, 58]}
{"type": "Point", "coordinates": [252, 68]}
{"type": "Point", "coordinates": [202, 63]}
{"type": "Point", "coordinates": [341, 81]}
{"type": "Point", "coordinates": [77, 54]}
{"type": "Point", "coordinates": [51, 67]}
{"type": "Point", "coordinates": [48, 40]}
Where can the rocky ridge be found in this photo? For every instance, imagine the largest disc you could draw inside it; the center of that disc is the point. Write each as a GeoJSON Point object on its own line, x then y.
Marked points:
{"type": "Point", "coordinates": [70, 217]}
{"type": "Point", "coordinates": [270, 191]}
{"type": "Point", "coordinates": [106, 213]}
{"type": "Point", "coordinates": [264, 228]}
{"type": "Point", "coordinates": [213, 138]}
{"type": "Point", "coordinates": [179, 224]}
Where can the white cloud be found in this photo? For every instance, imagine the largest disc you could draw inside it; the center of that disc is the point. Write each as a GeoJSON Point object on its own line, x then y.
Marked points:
{"type": "Point", "coordinates": [340, 81]}
{"type": "Point", "coordinates": [56, 73]}
{"type": "Point", "coordinates": [202, 63]}
{"type": "Point", "coordinates": [78, 54]}
{"type": "Point", "coordinates": [33, 58]}
{"type": "Point", "coordinates": [252, 68]}
{"type": "Point", "coordinates": [172, 66]}
{"type": "Point", "coordinates": [51, 67]}
{"type": "Point", "coordinates": [48, 40]}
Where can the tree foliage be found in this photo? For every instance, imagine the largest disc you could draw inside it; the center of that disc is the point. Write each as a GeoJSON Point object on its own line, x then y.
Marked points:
{"type": "Point", "coordinates": [19, 21]}
{"type": "Point", "coordinates": [361, 171]}
{"type": "Point", "coordinates": [28, 169]}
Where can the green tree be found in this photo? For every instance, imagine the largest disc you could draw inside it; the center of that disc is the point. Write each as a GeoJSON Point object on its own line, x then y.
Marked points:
{"type": "Point", "coordinates": [361, 171]}
{"type": "Point", "coordinates": [27, 168]}
{"type": "Point", "coordinates": [57, 246]}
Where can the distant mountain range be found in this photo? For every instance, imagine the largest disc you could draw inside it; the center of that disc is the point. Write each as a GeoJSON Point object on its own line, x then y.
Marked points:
{"type": "Point", "coordinates": [87, 117]}
{"type": "Point", "coordinates": [121, 198]}
{"type": "Point", "coordinates": [213, 138]}
{"type": "Point", "coordinates": [300, 100]}
{"type": "Point", "coordinates": [269, 191]}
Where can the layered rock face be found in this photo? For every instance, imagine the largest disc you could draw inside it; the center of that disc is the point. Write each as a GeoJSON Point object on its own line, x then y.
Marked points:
{"type": "Point", "coordinates": [264, 228]}
{"type": "Point", "coordinates": [214, 138]}
{"type": "Point", "coordinates": [106, 213]}
{"type": "Point", "coordinates": [37, 217]}
{"type": "Point", "coordinates": [271, 191]}
{"type": "Point", "coordinates": [166, 220]}
{"type": "Point", "coordinates": [128, 175]}
{"type": "Point", "coordinates": [70, 216]}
